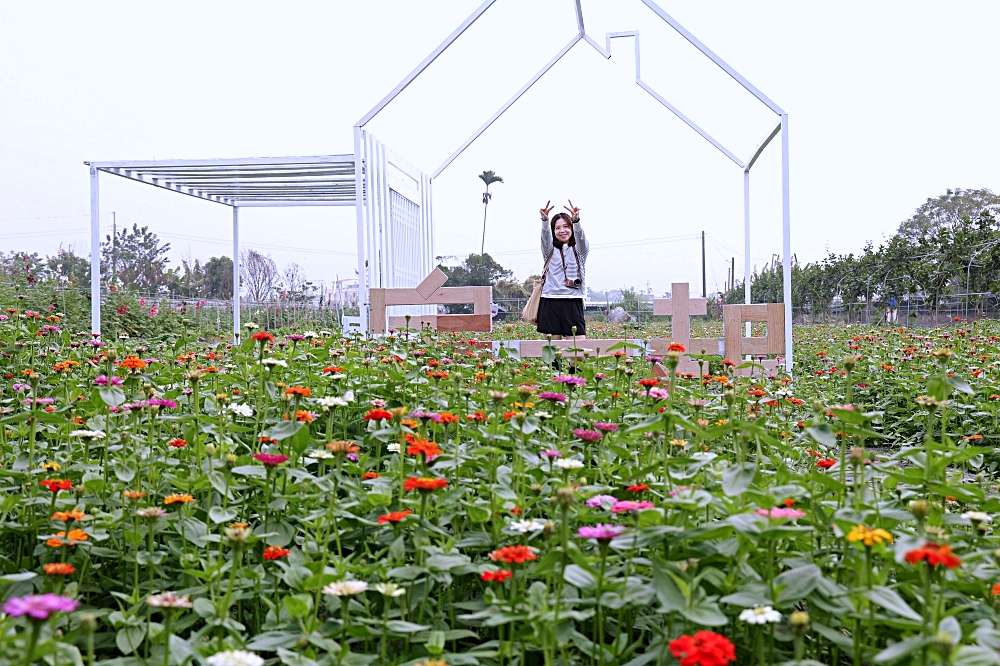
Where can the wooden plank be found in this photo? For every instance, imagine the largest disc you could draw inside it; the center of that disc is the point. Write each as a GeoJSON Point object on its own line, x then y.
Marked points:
{"type": "Point", "coordinates": [377, 299]}
{"type": "Point", "coordinates": [755, 312]}
{"type": "Point", "coordinates": [732, 329]}
{"type": "Point", "coordinates": [431, 283]}
{"type": "Point", "coordinates": [776, 328]}
{"type": "Point", "coordinates": [754, 346]}
{"type": "Point", "coordinates": [680, 322]}
{"type": "Point", "coordinates": [416, 321]}
{"type": "Point", "coordinates": [455, 323]}
{"type": "Point", "coordinates": [482, 298]}
{"type": "Point", "coordinates": [441, 296]}
{"type": "Point", "coordinates": [710, 345]}
{"type": "Point", "coordinates": [533, 348]}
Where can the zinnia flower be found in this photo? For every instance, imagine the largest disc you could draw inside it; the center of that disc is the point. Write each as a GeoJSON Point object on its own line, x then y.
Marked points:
{"type": "Point", "coordinates": [422, 447]}
{"type": "Point", "coordinates": [67, 516]}
{"type": "Point", "coordinates": [869, 536]}
{"type": "Point", "coordinates": [497, 576]}
{"type": "Point", "coordinates": [935, 555]}
{"type": "Point", "coordinates": [599, 532]}
{"type": "Point", "coordinates": [779, 512]}
{"type": "Point", "coordinates": [236, 657]}
{"type": "Point", "coordinates": [59, 568]}
{"type": "Point", "coordinates": [169, 600]}
{"type": "Point", "coordinates": [760, 615]}
{"type": "Point", "coordinates": [603, 501]}
{"type": "Point", "coordinates": [275, 553]}
{"type": "Point", "coordinates": [705, 648]}
{"type": "Point", "coordinates": [587, 435]}
{"type": "Point", "coordinates": [424, 484]}
{"type": "Point", "coordinates": [554, 397]}
{"type": "Point", "coordinates": [345, 588]}
{"type": "Point", "coordinates": [625, 506]}
{"type": "Point", "coordinates": [514, 554]}
{"type": "Point", "coordinates": [300, 391]}
{"type": "Point", "coordinates": [55, 485]}
{"type": "Point", "coordinates": [394, 516]}
{"type": "Point", "coordinates": [377, 415]}
{"type": "Point", "coordinates": [39, 606]}
{"type": "Point", "coordinates": [270, 459]}
{"type": "Point", "coordinates": [178, 498]}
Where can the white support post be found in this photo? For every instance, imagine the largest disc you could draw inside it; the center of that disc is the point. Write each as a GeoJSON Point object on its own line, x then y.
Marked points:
{"type": "Point", "coordinates": [786, 242]}
{"type": "Point", "coordinates": [95, 252]}
{"type": "Point", "coordinates": [746, 242]}
{"type": "Point", "coordinates": [236, 275]}
{"type": "Point", "coordinates": [359, 211]}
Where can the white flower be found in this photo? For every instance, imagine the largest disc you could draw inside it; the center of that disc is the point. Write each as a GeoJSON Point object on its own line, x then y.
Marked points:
{"type": "Point", "coordinates": [169, 600]}
{"type": "Point", "coordinates": [394, 447]}
{"type": "Point", "coordinates": [525, 526]}
{"type": "Point", "coordinates": [88, 434]}
{"type": "Point", "coordinates": [760, 615]}
{"type": "Point", "coordinates": [275, 361]}
{"type": "Point", "coordinates": [310, 334]}
{"type": "Point", "coordinates": [345, 588]}
{"type": "Point", "coordinates": [977, 517]}
{"type": "Point", "coordinates": [568, 464]}
{"type": "Point", "coordinates": [390, 589]}
{"type": "Point", "coordinates": [543, 415]}
{"type": "Point", "coordinates": [235, 658]}
{"type": "Point", "coordinates": [320, 454]}
{"type": "Point", "coordinates": [328, 401]}
{"type": "Point", "coordinates": [241, 409]}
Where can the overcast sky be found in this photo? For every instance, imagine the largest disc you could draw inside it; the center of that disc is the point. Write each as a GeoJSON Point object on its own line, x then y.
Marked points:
{"type": "Point", "coordinates": [889, 103]}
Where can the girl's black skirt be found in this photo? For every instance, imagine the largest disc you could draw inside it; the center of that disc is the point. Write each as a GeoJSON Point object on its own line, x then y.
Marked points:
{"type": "Point", "coordinates": [558, 316]}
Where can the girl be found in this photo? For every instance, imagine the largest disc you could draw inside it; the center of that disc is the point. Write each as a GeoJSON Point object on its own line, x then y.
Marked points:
{"type": "Point", "coordinates": [565, 248]}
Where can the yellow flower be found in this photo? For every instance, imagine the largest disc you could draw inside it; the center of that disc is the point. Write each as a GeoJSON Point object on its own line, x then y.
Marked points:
{"type": "Point", "coordinates": [52, 466]}
{"type": "Point", "coordinates": [869, 536]}
{"type": "Point", "coordinates": [178, 498]}
{"type": "Point", "coordinates": [678, 442]}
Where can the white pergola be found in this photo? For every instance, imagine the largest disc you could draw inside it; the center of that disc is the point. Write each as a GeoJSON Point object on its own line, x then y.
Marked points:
{"type": "Point", "coordinates": [320, 180]}
{"type": "Point", "coordinates": [393, 200]}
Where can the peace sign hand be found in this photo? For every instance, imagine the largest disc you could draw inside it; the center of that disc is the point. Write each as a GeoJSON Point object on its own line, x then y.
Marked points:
{"type": "Point", "coordinates": [574, 211]}
{"type": "Point", "coordinates": [545, 210]}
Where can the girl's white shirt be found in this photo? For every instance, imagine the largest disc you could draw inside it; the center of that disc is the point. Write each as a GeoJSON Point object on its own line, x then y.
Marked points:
{"type": "Point", "coordinates": [555, 280]}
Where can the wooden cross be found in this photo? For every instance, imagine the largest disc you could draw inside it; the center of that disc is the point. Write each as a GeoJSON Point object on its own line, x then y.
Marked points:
{"type": "Point", "coordinates": [679, 308]}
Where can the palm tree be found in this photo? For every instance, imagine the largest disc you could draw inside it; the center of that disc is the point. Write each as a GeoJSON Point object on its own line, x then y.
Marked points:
{"type": "Point", "coordinates": [488, 177]}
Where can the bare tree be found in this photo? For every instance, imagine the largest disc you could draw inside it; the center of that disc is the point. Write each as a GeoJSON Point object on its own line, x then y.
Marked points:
{"type": "Point", "coordinates": [259, 276]}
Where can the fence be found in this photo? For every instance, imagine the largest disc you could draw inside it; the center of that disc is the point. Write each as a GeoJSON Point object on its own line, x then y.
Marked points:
{"type": "Point", "coordinates": [911, 310]}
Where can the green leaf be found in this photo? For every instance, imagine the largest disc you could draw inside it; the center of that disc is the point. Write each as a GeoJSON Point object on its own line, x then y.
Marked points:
{"type": "Point", "coordinates": [219, 515]}
{"type": "Point", "coordinates": [579, 577]}
{"type": "Point", "coordinates": [797, 583]}
{"type": "Point", "coordinates": [705, 614]}
{"type": "Point", "coordinates": [401, 627]}
{"type": "Point", "coordinates": [902, 649]}
{"type": "Point", "coordinates": [250, 470]}
{"type": "Point", "coordinates": [269, 641]}
{"type": "Point", "coordinates": [283, 429]}
{"type": "Point", "coordinates": [112, 396]}
{"type": "Point", "coordinates": [823, 434]}
{"type": "Point", "coordinates": [125, 471]}
{"type": "Point", "coordinates": [129, 639]}
{"type": "Point", "coordinates": [737, 478]}
{"type": "Point", "coordinates": [298, 605]}
{"type": "Point", "coordinates": [889, 599]}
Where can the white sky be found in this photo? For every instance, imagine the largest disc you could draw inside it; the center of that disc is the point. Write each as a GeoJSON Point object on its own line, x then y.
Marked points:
{"type": "Point", "coordinates": [889, 103]}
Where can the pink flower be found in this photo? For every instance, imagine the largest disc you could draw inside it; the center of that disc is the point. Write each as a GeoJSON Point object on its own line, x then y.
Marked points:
{"type": "Point", "coordinates": [779, 512]}
{"type": "Point", "coordinates": [600, 532]}
{"type": "Point", "coordinates": [658, 393]}
{"type": "Point", "coordinates": [554, 397]}
{"type": "Point", "coordinates": [587, 435]}
{"type": "Point", "coordinates": [270, 459]}
{"type": "Point", "coordinates": [606, 427]}
{"type": "Point", "coordinates": [552, 453]}
{"type": "Point", "coordinates": [39, 606]}
{"type": "Point", "coordinates": [601, 501]}
{"type": "Point", "coordinates": [377, 402]}
{"type": "Point", "coordinates": [570, 380]}
{"type": "Point", "coordinates": [625, 506]}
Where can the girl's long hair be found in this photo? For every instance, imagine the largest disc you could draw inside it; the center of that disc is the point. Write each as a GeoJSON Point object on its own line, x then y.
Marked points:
{"type": "Point", "coordinates": [572, 238]}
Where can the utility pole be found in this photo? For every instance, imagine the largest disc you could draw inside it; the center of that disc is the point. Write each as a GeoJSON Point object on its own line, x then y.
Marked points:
{"type": "Point", "coordinates": [703, 293]}
{"type": "Point", "coordinates": [114, 247]}
{"type": "Point", "coordinates": [733, 273]}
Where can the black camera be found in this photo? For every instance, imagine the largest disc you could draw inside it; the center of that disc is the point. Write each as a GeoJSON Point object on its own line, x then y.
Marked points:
{"type": "Point", "coordinates": [574, 284]}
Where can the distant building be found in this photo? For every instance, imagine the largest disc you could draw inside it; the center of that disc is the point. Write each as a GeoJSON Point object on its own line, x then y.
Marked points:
{"type": "Point", "coordinates": [343, 292]}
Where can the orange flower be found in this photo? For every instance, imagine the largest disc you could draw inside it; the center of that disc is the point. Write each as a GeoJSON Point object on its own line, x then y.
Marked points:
{"type": "Point", "coordinates": [59, 568]}
{"type": "Point", "coordinates": [410, 423]}
{"type": "Point", "coordinates": [448, 417]}
{"type": "Point", "coordinates": [303, 415]}
{"type": "Point", "coordinates": [67, 516]}
{"type": "Point", "coordinates": [178, 498]}
{"type": "Point", "coordinates": [301, 391]}
{"type": "Point", "coordinates": [935, 555]}
{"type": "Point", "coordinates": [424, 448]}
{"type": "Point", "coordinates": [369, 475]}
{"type": "Point", "coordinates": [995, 591]}
{"type": "Point", "coordinates": [676, 347]}
{"type": "Point", "coordinates": [133, 363]}
{"type": "Point", "coordinates": [394, 516]}
{"type": "Point", "coordinates": [514, 554]}
{"type": "Point", "coordinates": [424, 484]}
{"type": "Point", "coordinates": [55, 485]}
{"type": "Point", "coordinates": [71, 539]}
{"type": "Point", "coordinates": [275, 553]}
{"type": "Point", "coordinates": [437, 374]}
{"type": "Point", "coordinates": [134, 495]}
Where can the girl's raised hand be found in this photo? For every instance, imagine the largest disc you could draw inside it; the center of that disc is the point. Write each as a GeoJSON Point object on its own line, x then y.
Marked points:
{"type": "Point", "coordinates": [574, 211]}
{"type": "Point", "coordinates": [545, 210]}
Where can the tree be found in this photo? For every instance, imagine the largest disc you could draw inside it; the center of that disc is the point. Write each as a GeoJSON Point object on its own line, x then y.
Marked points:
{"type": "Point", "coordinates": [477, 270]}
{"type": "Point", "coordinates": [67, 267]}
{"type": "Point", "coordinates": [296, 286]}
{"type": "Point", "coordinates": [218, 278]}
{"type": "Point", "coordinates": [948, 210]}
{"type": "Point", "coordinates": [489, 178]}
{"type": "Point", "coordinates": [258, 275]}
{"type": "Point", "coordinates": [139, 259]}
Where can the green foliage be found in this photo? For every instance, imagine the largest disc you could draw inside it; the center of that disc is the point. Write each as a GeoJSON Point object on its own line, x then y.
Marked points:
{"type": "Point", "coordinates": [135, 258]}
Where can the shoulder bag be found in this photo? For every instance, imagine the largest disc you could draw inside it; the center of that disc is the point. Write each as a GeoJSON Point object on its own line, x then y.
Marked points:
{"type": "Point", "coordinates": [530, 311]}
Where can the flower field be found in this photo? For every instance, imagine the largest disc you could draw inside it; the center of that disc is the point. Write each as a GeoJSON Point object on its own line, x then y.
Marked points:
{"type": "Point", "coordinates": [307, 499]}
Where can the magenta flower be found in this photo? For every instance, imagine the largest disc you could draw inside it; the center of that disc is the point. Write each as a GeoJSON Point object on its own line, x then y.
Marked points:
{"type": "Point", "coordinates": [20, 387]}
{"type": "Point", "coordinates": [625, 506]}
{"type": "Point", "coordinates": [600, 532]}
{"type": "Point", "coordinates": [295, 337]}
{"type": "Point", "coordinates": [270, 459]}
{"type": "Point", "coordinates": [779, 512]}
{"type": "Point", "coordinates": [606, 427]}
{"type": "Point", "coordinates": [39, 606]}
{"type": "Point", "coordinates": [104, 380]}
{"type": "Point", "coordinates": [554, 397]}
{"type": "Point", "coordinates": [570, 380]}
{"type": "Point", "coordinates": [587, 435]}
{"type": "Point", "coordinates": [600, 376]}
{"type": "Point", "coordinates": [602, 501]}
{"type": "Point", "coordinates": [552, 453]}
{"type": "Point", "coordinates": [654, 359]}
{"type": "Point", "coordinates": [658, 393]}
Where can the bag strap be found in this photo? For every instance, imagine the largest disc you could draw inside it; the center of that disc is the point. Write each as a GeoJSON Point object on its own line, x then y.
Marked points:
{"type": "Point", "coordinates": [545, 269]}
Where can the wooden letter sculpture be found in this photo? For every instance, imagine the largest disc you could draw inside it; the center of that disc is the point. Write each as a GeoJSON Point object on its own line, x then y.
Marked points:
{"type": "Point", "coordinates": [431, 292]}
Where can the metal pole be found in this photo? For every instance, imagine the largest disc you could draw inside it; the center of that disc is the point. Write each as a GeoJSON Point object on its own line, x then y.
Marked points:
{"type": "Point", "coordinates": [359, 211]}
{"type": "Point", "coordinates": [236, 275]}
{"type": "Point", "coordinates": [746, 242]}
{"type": "Point", "coordinates": [786, 241]}
{"type": "Point", "coordinates": [95, 253]}
{"type": "Point", "coordinates": [704, 293]}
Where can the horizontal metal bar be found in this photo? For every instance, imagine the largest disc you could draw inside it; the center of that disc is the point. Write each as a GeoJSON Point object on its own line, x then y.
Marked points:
{"type": "Point", "coordinates": [240, 161]}
{"type": "Point", "coordinates": [124, 174]}
{"type": "Point", "coordinates": [690, 123]}
{"type": "Point", "coordinates": [289, 204]}
{"type": "Point", "coordinates": [713, 57]}
{"type": "Point", "coordinates": [425, 64]}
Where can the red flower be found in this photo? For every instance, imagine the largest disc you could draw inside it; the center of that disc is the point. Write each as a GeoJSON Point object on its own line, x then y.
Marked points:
{"type": "Point", "coordinates": [394, 517]}
{"type": "Point", "coordinates": [377, 415]}
{"type": "Point", "coordinates": [935, 555]}
{"type": "Point", "coordinates": [275, 553]}
{"type": "Point", "coordinates": [513, 554]}
{"type": "Point", "coordinates": [332, 370]}
{"type": "Point", "coordinates": [177, 443]}
{"type": "Point", "coordinates": [270, 459]}
{"type": "Point", "coordinates": [789, 502]}
{"type": "Point", "coordinates": [649, 381]}
{"type": "Point", "coordinates": [995, 590]}
{"type": "Point", "coordinates": [705, 648]}
{"type": "Point", "coordinates": [637, 488]}
{"type": "Point", "coordinates": [478, 416]}
{"type": "Point", "coordinates": [424, 484]}
{"type": "Point", "coordinates": [55, 485]}
{"type": "Point", "coordinates": [498, 576]}
{"type": "Point", "coordinates": [301, 391]}
{"type": "Point", "coordinates": [262, 337]}
{"type": "Point", "coordinates": [369, 475]}
{"type": "Point", "coordinates": [676, 347]}
{"type": "Point", "coordinates": [826, 463]}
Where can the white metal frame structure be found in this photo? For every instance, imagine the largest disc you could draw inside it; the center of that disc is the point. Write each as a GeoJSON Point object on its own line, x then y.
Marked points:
{"type": "Point", "coordinates": [360, 139]}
